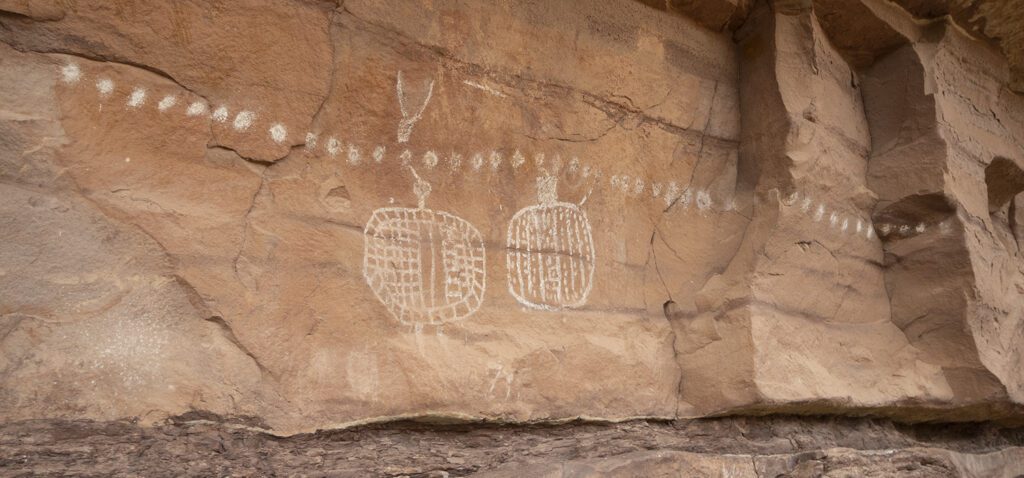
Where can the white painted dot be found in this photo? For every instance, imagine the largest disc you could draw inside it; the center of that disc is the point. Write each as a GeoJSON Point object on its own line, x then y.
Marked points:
{"type": "Point", "coordinates": [333, 146]}
{"type": "Point", "coordinates": [819, 213]}
{"type": "Point", "coordinates": [310, 141]}
{"type": "Point", "coordinates": [671, 193]}
{"type": "Point", "coordinates": [703, 200]}
{"type": "Point", "coordinates": [638, 186]}
{"type": "Point", "coordinates": [860, 226]}
{"type": "Point", "coordinates": [167, 102]}
{"type": "Point", "coordinates": [495, 160]}
{"type": "Point", "coordinates": [904, 229]}
{"type": "Point", "coordinates": [455, 161]}
{"type": "Point", "coordinates": [574, 166]}
{"type": "Point", "coordinates": [846, 225]}
{"type": "Point", "coordinates": [70, 73]}
{"type": "Point", "coordinates": [405, 158]}
{"type": "Point", "coordinates": [624, 183]}
{"type": "Point", "coordinates": [430, 159]}
{"type": "Point", "coordinates": [920, 228]}
{"type": "Point", "coordinates": [538, 159]}
{"type": "Point", "coordinates": [478, 161]}
{"type": "Point", "coordinates": [378, 154]}
{"type": "Point", "coordinates": [833, 219]}
{"type": "Point", "coordinates": [806, 206]}
{"type": "Point", "coordinates": [656, 189]}
{"type": "Point", "coordinates": [517, 159]}
{"type": "Point", "coordinates": [220, 115]}
{"type": "Point", "coordinates": [278, 133]}
{"type": "Point", "coordinates": [354, 157]}
{"type": "Point", "coordinates": [105, 86]}
{"type": "Point", "coordinates": [243, 120]}
{"type": "Point", "coordinates": [197, 108]}
{"type": "Point", "coordinates": [137, 98]}
{"type": "Point", "coordinates": [686, 198]}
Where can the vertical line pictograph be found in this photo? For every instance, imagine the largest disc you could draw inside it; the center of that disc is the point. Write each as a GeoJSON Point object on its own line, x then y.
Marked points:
{"type": "Point", "coordinates": [550, 256]}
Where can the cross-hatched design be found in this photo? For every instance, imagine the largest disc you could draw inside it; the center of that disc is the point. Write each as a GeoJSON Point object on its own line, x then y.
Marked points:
{"type": "Point", "coordinates": [425, 266]}
{"type": "Point", "coordinates": [550, 256]}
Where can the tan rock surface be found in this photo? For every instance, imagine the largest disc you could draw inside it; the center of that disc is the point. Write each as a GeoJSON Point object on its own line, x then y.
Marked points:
{"type": "Point", "coordinates": [306, 215]}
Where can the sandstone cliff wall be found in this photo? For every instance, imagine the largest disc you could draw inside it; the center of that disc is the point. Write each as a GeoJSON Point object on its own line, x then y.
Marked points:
{"type": "Point", "coordinates": [299, 215]}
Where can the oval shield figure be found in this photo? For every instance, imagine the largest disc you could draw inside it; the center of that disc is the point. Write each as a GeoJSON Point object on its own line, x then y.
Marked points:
{"type": "Point", "coordinates": [550, 254]}
{"type": "Point", "coordinates": [425, 266]}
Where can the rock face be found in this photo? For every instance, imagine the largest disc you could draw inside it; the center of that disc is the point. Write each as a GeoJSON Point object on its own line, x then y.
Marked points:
{"type": "Point", "coordinates": [300, 215]}
{"type": "Point", "coordinates": [729, 447]}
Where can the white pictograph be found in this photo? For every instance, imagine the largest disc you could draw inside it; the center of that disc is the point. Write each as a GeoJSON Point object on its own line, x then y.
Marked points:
{"type": "Point", "coordinates": [278, 133]}
{"type": "Point", "coordinates": [167, 103]}
{"type": "Point", "coordinates": [425, 266]}
{"type": "Point", "coordinates": [220, 114]}
{"type": "Point", "coordinates": [455, 161]}
{"type": "Point", "coordinates": [70, 73]}
{"type": "Point", "coordinates": [409, 119]}
{"type": "Point", "coordinates": [333, 146]}
{"type": "Point", "coordinates": [137, 98]}
{"type": "Point", "coordinates": [550, 256]}
{"type": "Point", "coordinates": [243, 120]}
{"type": "Point", "coordinates": [196, 108]}
{"type": "Point", "coordinates": [354, 155]}
{"type": "Point", "coordinates": [105, 86]}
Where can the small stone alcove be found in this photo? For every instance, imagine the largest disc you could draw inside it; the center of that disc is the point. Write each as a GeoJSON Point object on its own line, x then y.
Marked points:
{"type": "Point", "coordinates": [1005, 182]}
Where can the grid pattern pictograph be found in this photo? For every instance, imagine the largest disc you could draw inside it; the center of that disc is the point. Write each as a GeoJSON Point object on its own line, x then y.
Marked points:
{"type": "Point", "coordinates": [425, 266]}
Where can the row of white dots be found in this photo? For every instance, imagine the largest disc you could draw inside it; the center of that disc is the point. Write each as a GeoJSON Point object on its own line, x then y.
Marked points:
{"type": "Point", "coordinates": [670, 192]}
{"type": "Point", "coordinates": [836, 219]}
{"type": "Point", "coordinates": [819, 212]}
{"type": "Point", "coordinates": [138, 97]}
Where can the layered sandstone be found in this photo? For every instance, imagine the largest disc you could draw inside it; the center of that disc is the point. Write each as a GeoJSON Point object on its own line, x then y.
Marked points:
{"type": "Point", "coordinates": [301, 215]}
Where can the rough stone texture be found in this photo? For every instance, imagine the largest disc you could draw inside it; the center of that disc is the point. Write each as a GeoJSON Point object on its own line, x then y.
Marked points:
{"type": "Point", "coordinates": [732, 447]}
{"type": "Point", "coordinates": [792, 206]}
{"type": "Point", "coordinates": [998, 21]}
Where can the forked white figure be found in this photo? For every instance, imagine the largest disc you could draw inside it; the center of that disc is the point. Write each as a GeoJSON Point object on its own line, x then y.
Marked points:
{"type": "Point", "coordinates": [425, 266]}
{"type": "Point", "coordinates": [550, 256]}
{"type": "Point", "coordinates": [409, 118]}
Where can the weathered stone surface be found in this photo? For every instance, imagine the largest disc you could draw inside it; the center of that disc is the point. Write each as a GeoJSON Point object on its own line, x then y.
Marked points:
{"type": "Point", "coordinates": [731, 447]}
{"type": "Point", "coordinates": [1000, 22]}
{"type": "Point", "coordinates": [305, 215]}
